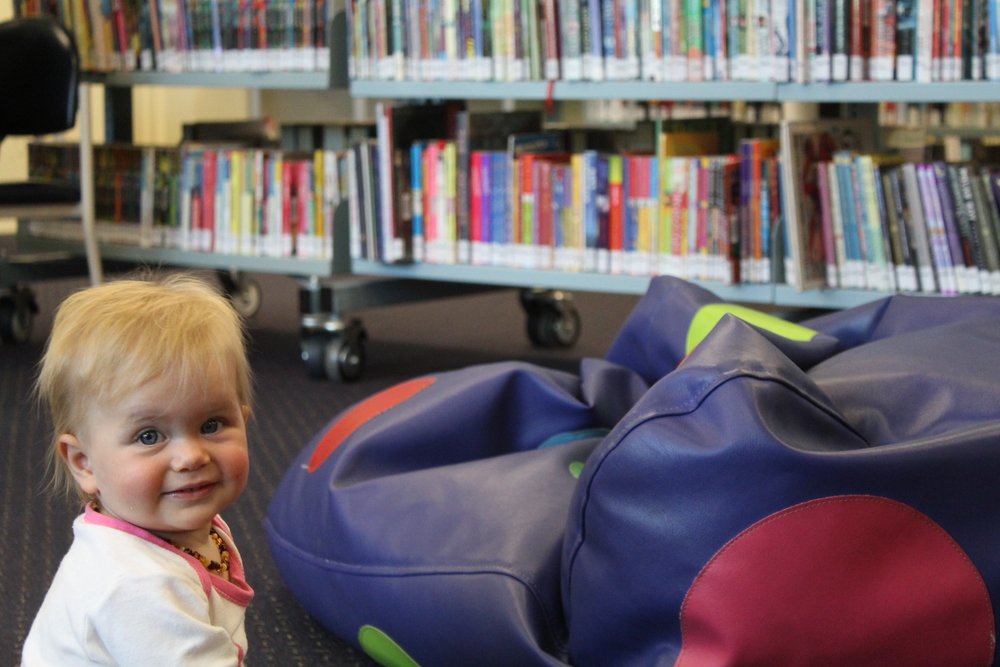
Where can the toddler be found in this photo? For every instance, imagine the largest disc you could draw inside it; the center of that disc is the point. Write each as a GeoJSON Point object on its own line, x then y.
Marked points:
{"type": "Point", "coordinates": [148, 385]}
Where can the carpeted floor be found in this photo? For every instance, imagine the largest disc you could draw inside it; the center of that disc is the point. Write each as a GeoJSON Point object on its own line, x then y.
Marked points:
{"type": "Point", "coordinates": [404, 341]}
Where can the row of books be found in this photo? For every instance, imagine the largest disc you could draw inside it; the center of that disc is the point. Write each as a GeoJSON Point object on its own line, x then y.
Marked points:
{"type": "Point", "coordinates": [952, 115]}
{"type": "Point", "coordinates": [858, 219]}
{"type": "Point", "coordinates": [257, 202]}
{"type": "Point", "coordinates": [682, 209]}
{"type": "Point", "coordinates": [912, 227]}
{"type": "Point", "coordinates": [674, 40]}
{"type": "Point", "coordinates": [194, 35]}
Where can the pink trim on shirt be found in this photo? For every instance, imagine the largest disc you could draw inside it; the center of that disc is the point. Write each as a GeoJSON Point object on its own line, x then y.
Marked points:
{"type": "Point", "coordinates": [236, 591]}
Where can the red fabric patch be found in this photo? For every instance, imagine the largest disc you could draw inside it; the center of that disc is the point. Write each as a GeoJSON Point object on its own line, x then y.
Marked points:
{"type": "Point", "coordinates": [362, 413]}
{"type": "Point", "coordinates": [848, 580]}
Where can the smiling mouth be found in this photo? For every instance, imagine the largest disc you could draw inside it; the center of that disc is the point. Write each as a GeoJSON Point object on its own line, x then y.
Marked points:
{"type": "Point", "coordinates": [194, 491]}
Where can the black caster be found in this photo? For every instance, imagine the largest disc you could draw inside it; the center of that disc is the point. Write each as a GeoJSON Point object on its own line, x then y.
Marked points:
{"type": "Point", "coordinates": [553, 320]}
{"type": "Point", "coordinates": [243, 292]}
{"type": "Point", "coordinates": [17, 314]}
{"type": "Point", "coordinates": [336, 352]}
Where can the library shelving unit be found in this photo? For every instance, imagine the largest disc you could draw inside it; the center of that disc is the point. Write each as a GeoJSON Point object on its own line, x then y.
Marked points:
{"type": "Point", "coordinates": [118, 122]}
{"type": "Point", "coordinates": [781, 295]}
{"type": "Point", "coordinates": [332, 346]}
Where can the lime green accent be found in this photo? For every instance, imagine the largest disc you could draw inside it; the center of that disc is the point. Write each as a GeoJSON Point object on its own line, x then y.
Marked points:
{"type": "Point", "coordinates": [708, 316]}
{"type": "Point", "coordinates": [575, 468]}
{"type": "Point", "coordinates": [380, 648]}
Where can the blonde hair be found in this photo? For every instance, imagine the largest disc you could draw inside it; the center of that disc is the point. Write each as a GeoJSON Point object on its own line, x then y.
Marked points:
{"type": "Point", "coordinates": [108, 340]}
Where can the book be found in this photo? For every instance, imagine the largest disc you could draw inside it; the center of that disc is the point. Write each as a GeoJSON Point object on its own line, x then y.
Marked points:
{"type": "Point", "coordinates": [946, 270]}
{"type": "Point", "coordinates": [986, 229]}
{"type": "Point", "coordinates": [915, 219]}
{"type": "Point", "coordinates": [903, 254]}
{"type": "Point", "coordinates": [571, 53]}
{"type": "Point", "coordinates": [843, 276]}
{"type": "Point", "coordinates": [906, 39]}
{"type": "Point", "coordinates": [840, 30]}
{"type": "Point", "coordinates": [882, 41]}
{"type": "Point", "coordinates": [826, 219]}
{"type": "Point", "coordinates": [616, 199]}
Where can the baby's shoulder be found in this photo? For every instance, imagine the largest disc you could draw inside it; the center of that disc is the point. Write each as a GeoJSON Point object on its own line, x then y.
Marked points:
{"type": "Point", "coordinates": [105, 557]}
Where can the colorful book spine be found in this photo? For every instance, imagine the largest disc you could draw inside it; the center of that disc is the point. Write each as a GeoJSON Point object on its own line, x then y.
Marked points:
{"type": "Point", "coordinates": [882, 62]}
{"type": "Point", "coordinates": [906, 39]}
{"type": "Point", "coordinates": [837, 220]}
{"type": "Point", "coordinates": [946, 270]}
{"type": "Point", "coordinates": [841, 40]}
{"type": "Point", "coordinates": [603, 203]}
{"type": "Point", "coordinates": [947, 208]}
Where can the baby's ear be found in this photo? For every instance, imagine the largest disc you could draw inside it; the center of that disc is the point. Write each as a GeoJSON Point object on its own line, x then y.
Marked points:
{"type": "Point", "coordinates": [246, 413]}
{"type": "Point", "coordinates": [76, 458]}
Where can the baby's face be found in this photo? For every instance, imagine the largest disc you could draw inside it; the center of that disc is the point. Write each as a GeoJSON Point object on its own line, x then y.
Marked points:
{"type": "Point", "coordinates": [163, 459]}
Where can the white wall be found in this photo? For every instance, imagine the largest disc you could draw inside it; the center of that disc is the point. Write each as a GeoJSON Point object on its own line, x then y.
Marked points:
{"type": "Point", "coordinates": [159, 111]}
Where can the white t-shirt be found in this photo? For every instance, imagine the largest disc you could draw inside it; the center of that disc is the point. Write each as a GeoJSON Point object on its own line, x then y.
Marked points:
{"type": "Point", "coordinates": [123, 596]}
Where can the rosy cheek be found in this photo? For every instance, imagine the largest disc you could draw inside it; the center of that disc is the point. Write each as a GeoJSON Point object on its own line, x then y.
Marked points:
{"type": "Point", "coordinates": [134, 484]}
{"type": "Point", "coordinates": [238, 467]}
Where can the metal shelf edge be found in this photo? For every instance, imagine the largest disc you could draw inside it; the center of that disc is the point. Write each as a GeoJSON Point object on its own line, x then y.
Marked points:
{"type": "Point", "coordinates": [862, 91]}
{"type": "Point", "coordinates": [567, 90]}
{"type": "Point", "coordinates": [552, 279]}
{"type": "Point", "coordinates": [264, 80]}
{"type": "Point", "coordinates": [171, 257]}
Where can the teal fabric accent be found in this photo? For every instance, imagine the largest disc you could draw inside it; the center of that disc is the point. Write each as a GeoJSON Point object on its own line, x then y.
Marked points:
{"type": "Point", "coordinates": [573, 436]}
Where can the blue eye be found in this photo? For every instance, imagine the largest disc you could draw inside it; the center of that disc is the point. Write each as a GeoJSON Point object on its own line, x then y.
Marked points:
{"type": "Point", "coordinates": [211, 426]}
{"type": "Point", "coordinates": [149, 437]}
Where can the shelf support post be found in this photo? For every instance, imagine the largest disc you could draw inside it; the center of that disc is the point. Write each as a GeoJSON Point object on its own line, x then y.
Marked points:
{"type": "Point", "coordinates": [91, 249]}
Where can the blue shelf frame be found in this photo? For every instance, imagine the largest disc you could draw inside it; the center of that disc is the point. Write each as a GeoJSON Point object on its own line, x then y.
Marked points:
{"type": "Point", "coordinates": [261, 80]}
{"type": "Point", "coordinates": [751, 91]}
{"type": "Point", "coordinates": [777, 295]}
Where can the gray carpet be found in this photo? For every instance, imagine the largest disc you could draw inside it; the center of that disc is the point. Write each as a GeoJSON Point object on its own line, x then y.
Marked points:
{"type": "Point", "coordinates": [404, 341]}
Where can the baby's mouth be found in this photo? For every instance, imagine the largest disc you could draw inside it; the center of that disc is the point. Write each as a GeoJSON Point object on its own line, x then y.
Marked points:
{"type": "Point", "coordinates": [192, 491]}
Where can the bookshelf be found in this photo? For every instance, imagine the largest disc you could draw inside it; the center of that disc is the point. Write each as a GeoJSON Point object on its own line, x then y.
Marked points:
{"type": "Point", "coordinates": [866, 92]}
{"type": "Point", "coordinates": [331, 347]}
{"type": "Point", "coordinates": [191, 69]}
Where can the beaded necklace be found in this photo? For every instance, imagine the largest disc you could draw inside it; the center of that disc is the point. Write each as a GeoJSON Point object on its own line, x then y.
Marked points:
{"type": "Point", "coordinates": [222, 565]}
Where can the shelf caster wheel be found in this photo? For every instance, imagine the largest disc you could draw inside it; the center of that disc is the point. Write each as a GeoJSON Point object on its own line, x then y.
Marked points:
{"type": "Point", "coordinates": [345, 360]}
{"type": "Point", "coordinates": [553, 320]}
{"type": "Point", "coordinates": [17, 315]}
{"type": "Point", "coordinates": [314, 353]}
{"type": "Point", "coordinates": [244, 293]}
{"type": "Point", "coordinates": [335, 355]}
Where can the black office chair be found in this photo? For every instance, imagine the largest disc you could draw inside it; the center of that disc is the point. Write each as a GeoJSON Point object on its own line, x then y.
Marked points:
{"type": "Point", "coordinates": [39, 86]}
{"type": "Point", "coordinates": [39, 94]}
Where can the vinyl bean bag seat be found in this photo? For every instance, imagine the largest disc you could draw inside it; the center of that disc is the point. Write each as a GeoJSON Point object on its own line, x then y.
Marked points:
{"type": "Point", "coordinates": [723, 488]}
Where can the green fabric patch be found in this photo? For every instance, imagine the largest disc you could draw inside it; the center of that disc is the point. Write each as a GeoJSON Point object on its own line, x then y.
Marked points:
{"type": "Point", "coordinates": [575, 468]}
{"type": "Point", "coordinates": [708, 316]}
{"type": "Point", "coordinates": [380, 648]}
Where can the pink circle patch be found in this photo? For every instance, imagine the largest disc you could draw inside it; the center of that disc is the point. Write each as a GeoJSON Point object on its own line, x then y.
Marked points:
{"type": "Point", "coordinates": [848, 580]}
